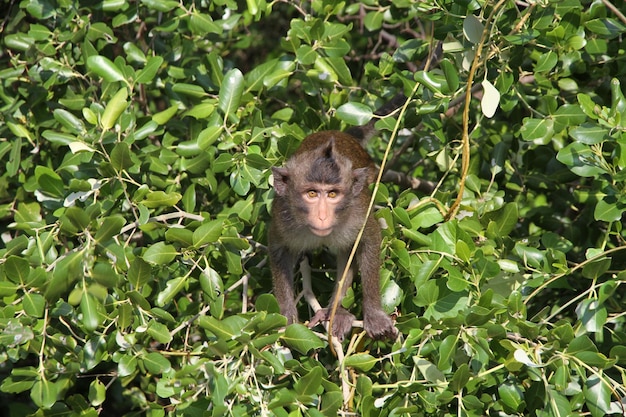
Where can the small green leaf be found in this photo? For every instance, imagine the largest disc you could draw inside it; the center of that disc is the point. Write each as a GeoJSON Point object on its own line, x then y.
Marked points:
{"type": "Point", "coordinates": [539, 131]}
{"type": "Point", "coordinates": [105, 68]}
{"type": "Point", "coordinates": [159, 332]}
{"type": "Point", "coordinates": [139, 272]}
{"type": "Point", "coordinates": [156, 363]}
{"type": "Point", "coordinates": [17, 269]}
{"type": "Point", "coordinates": [97, 392]}
{"type": "Point", "coordinates": [355, 113]}
{"type": "Point", "coordinates": [546, 61]}
{"type": "Point", "coordinates": [66, 272]}
{"type": "Point", "coordinates": [49, 181]}
{"type": "Point", "coordinates": [598, 396]}
{"type": "Point", "coordinates": [207, 233]}
{"type": "Point", "coordinates": [89, 309]}
{"type": "Point", "coordinates": [589, 134]}
{"type": "Point", "coordinates": [230, 92]}
{"type": "Point", "coordinates": [608, 211]}
{"type": "Point", "coordinates": [310, 383]}
{"type": "Point", "coordinates": [172, 287]}
{"type": "Point", "coordinates": [164, 116]}
{"type": "Point", "coordinates": [114, 108]}
{"type": "Point", "coordinates": [472, 29]}
{"type": "Point", "coordinates": [361, 361]}
{"type": "Point", "coordinates": [69, 121]}
{"type": "Point", "coordinates": [301, 338]}
{"type": "Point", "coordinates": [511, 395]}
{"type": "Point", "coordinates": [110, 227]}
{"type": "Point", "coordinates": [44, 393]}
{"type": "Point", "coordinates": [34, 304]}
{"type": "Point", "coordinates": [429, 370]}
{"type": "Point", "coordinates": [161, 199]}
{"type": "Point", "coordinates": [149, 71]}
{"type": "Point", "coordinates": [160, 254]}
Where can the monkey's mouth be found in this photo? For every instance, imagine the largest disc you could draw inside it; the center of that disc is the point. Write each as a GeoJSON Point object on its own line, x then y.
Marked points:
{"type": "Point", "coordinates": [321, 232]}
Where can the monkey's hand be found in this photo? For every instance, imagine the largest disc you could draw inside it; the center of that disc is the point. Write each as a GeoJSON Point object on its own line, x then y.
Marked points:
{"type": "Point", "coordinates": [342, 322]}
{"type": "Point", "coordinates": [379, 325]}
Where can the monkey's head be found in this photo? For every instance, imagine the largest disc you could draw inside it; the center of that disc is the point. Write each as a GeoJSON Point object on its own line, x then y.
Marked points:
{"type": "Point", "coordinates": [321, 185]}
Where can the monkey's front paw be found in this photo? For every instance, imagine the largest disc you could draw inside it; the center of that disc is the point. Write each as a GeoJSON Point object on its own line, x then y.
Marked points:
{"type": "Point", "coordinates": [379, 325]}
{"type": "Point", "coordinates": [342, 322]}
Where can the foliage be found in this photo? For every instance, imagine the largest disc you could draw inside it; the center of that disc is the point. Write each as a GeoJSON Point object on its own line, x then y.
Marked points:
{"type": "Point", "coordinates": [136, 140]}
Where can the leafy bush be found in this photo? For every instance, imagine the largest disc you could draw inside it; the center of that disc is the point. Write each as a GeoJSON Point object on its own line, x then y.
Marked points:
{"type": "Point", "coordinates": [137, 139]}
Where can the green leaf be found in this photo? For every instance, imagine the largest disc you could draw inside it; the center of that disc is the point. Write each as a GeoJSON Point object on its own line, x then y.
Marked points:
{"type": "Point", "coordinates": [207, 233]}
{"type": "Point", "coordinates": [539, 131]}
{"type": "Point", "coordinates": [160, 254]}
{"type": "Point", "coordinates": [44, 393]}
{"type": "Point", "coordinates": [89, 309]}
{"type": "Point", "coordinates": [301, 338]}
{"type": "Point", "coordinates": [159, 332]}
{"type": "Point", "coordinates": [115, 107]}
{"type": "Point", "coordinates": [97, 392]}
{"type": "Point", "coordinates": [581, 160]}
{"type": "Point", "coordinates": [429, 371]}
{"type": "Point", "coordinates": [110, 227]}
{"type": "Point", "coordinates": [360, 361]}
{"type": "Point", "coordinates": [66, 271]}
{"type": "Point", "coordinates": [69, 121]}
{"type": "Point", "coordinates": [608, 211]}
{"type": "Point", "coordinates": [310, 383]}
{"type": "Point", "coordinates": [34, 304]}
{"type": "Point", "coordinates": [546, 62]}
{"type": "Point", "coordinates": [15, 333]}
{"type": "Point", "coordinates": [227, 329]}
{"type": "Point", "coordinates": [472, 29]}
{"type": "Point", "coordinates": [164, 116]}
{"type": "Point", "coordinates": [149, 71]}
{"type": "Point", "coordinates": [172, 287]}
{"type": "Point", "coordinates": [447, 349]}
{"type": "Point", "coordinates": [156, 199]}
{"type": "Point", "coordinates": [105, 68]}
{"type": "Point", "coordinates": [592, 315]}
{"type": "Point", "coordinates": [230, 92]}
{"type": "Point", "coordinates": [355, 113]}
{"type": "Point", "coordinates": [589, 134]}
{"type": "Point", "coordinates": [139, 272]}
{"type": "Point", "coordinates": [13, 165]}
{"type": "Point", "coordinates": [598, 396]}
{"type": "Point", "coordinates": [49, 181]}
{"type": "Point", "coordinates": [156, 363]}
{"type": "Point", "coordinates": [17, 269]}
{"type": "Point", "coordinates": [161, 5]}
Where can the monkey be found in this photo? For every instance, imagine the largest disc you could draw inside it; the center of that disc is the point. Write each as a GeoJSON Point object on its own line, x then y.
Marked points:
{"type": "Point", "coordinates": [321, 200]}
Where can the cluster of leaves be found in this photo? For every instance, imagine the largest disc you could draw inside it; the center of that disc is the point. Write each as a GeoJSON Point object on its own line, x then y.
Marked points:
{"type": "Point", "coordinates": [136, 140]}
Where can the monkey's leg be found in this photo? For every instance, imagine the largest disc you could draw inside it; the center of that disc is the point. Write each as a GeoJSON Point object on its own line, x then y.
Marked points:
{"type": "Point", "coordinates": [307, 289]}
{"type": "Point", "coordinates": [282, 262]}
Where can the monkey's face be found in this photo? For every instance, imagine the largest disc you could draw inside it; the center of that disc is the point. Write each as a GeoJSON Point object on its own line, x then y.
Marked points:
{"type": "Point", "coordinates": [322, 204]}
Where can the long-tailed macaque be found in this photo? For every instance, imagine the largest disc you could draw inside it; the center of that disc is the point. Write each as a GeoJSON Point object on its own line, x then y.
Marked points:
{"type": "Point", "coordinates": [322, 198]}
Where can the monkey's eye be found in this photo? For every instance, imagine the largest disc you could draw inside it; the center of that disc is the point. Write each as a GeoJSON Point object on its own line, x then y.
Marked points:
{"type": "Point", "coordinates": [311, 193]}
{"type": "Point", "coordinates": [333, 194]}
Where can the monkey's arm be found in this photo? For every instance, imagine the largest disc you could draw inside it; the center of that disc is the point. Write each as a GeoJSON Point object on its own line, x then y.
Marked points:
{"type": "Point", "coordinates": [376, 322]}
{"type": "Point", "coordinates": [282, 262]}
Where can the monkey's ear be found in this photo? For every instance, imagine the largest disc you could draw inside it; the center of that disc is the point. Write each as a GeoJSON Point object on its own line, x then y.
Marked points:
{"type": "Point", "coordinates": [361, 176]}
{"type": "Point", "coordinates": [281, 176]}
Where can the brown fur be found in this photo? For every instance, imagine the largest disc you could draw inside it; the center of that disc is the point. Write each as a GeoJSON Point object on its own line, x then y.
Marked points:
{"type": "Point", "coordinates": [327, 163]}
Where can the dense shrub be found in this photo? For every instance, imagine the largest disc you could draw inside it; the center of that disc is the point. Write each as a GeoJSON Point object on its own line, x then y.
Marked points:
{"type": "Point", "coordinates": [136, 140]}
